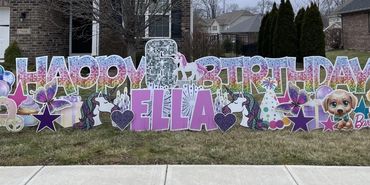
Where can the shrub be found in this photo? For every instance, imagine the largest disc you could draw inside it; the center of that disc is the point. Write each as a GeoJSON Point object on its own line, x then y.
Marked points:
{"type": "Point", "coordinates": [334, 38]}
{"type": "Point", "coordinates": [298, 23]}
{"type": "Point", "coordinates": [268, 46]}
{"type": "Point", "coordinates": [313, 37]}
{"type": "Point", "coordinates": [285, 35]}
{"type": "Point", "coordinates": [261, 34]}
{"type": "Point", "coordinates": [11, 53]}
{"type": "Point", "coordinates": [228, 45]}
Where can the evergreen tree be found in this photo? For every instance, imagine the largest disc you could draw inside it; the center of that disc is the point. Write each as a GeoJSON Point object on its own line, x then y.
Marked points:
{"type": "Point", "coordinates": [269, 31]}
{"type": "Point", "coordinates": [285, 34]}
{"type": "Point", "coordinates": [313, 36]}
{"type": "Point", "coordinates": [298, 23]}
{"type": "Point", "coordinates": [261, 35]}
{"type": "Point", "coordinates": [10, 55]}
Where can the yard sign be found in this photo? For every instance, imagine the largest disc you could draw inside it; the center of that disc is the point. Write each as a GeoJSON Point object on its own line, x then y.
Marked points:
{"type": "Point", "coordinates": [169, 93]}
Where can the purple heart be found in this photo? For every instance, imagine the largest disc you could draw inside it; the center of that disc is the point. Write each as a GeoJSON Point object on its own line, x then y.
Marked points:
{"type": "Point", "coordinates": [225, 122]}
{"type": "Point", "coordinates": [122, 119]}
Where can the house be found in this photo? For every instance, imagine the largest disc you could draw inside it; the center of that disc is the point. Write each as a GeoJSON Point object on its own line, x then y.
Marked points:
{"type": "Point", "coordinates": [226, 21]}
{"type": "Point", "coordinates": [42, 32]}
{"type": "Point", "coordinates": [246, 31]}
{"type": "Point", "coordinates": [240, 27]}
{"type": "Point", "coordinates": [356, 25]}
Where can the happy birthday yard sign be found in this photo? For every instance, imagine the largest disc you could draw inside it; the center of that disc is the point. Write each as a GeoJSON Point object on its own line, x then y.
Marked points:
{"type": "Point", "coordinates": [169, 93]}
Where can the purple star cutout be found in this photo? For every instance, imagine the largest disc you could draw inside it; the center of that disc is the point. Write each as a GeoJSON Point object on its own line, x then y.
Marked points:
{"type": "Point", "coordinates": [18, 95]}
{"type": "Point", "coordinates": [300, 122]}
{"type": "Point", "coordinates": [46, 120]}
{"type": "Point", "coordinates": [328, 125]}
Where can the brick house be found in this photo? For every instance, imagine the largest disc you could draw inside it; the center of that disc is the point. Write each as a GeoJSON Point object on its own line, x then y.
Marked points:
{"type": "Point", "coordinates": [355, 16]}
{"type": "Point", "coordinates": [40, 32]}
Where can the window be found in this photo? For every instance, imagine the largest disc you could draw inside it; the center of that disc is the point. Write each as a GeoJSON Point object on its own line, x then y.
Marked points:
{"type": "Point", "coordinates": [81, 35]}
{"type": "Point", "coordinates": [214, 28]}
{"type": "Point", "coordinates": [160, 25]}
{"type": "Point", "coordinates": [83, 32]}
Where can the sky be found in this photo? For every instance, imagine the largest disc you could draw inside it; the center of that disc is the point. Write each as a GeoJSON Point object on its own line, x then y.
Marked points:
{"type": "Point", "coordinates": [252, 3]}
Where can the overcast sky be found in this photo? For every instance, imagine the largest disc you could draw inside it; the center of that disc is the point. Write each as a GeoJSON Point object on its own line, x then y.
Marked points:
{"type": "Point", "coordinates": [252, 3]}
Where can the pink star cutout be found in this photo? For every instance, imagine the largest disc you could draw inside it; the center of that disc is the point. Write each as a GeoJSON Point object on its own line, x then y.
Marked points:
{"type": "Point", "coordinates": [284, 99]}
{"type": "Point", "coordinates": [328, 125]}
{"type": "Point", "coordinates": [18, 95]}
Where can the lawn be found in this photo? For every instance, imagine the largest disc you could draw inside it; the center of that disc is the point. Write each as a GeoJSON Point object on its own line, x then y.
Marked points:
{"type": "Point", "coordinates": [106, 145]}
{"type": "Point", "coordinates": [362, 56]}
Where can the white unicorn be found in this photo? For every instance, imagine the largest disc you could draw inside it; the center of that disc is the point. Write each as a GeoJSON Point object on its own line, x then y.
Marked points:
{"type": "Point", "coordinates": [122, 101]}
{"type": "Point", "coordinates": [197, 70]}
{"type": "Point", "coordinates": [103, 106]}
{"type": "Point", "coordinates": [91, 109]}
{"type": "Point", "coordinates": [249, 107]}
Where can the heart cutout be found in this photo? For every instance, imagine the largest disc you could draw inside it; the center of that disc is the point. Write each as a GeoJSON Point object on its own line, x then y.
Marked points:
{"type": "Point", "coordinates": [122, 119]}
{"type": "Point", "coordinates": [225, 122]}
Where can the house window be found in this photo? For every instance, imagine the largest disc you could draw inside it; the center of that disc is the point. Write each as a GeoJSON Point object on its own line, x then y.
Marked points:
{"type": "Point", "coordinates": [160, 25]}
{"type": "Point", "coordinates": [84, 32]}
{"type": "Point", "coordinates": [214, 28]}
{"type": "Point", "coordinates": [81, 40]}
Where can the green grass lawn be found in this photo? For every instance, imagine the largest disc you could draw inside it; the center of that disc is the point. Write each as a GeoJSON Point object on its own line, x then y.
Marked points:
{"type": "Point", "coordinates": [106, 145]}
{"type": "Point", "coordinates": [362, 56]}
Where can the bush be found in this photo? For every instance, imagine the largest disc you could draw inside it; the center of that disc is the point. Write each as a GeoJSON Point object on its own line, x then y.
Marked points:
{"type": "Point", "coordinates": [11, 53]}
{"type": "Point", "coordinates": [267, 42]}
{"type": "Point", "coordinates": [228, 45]}
{"type": "Point", "coordinates": [334, 38]}
{"type": "Point", "coordinates": [238, 46]}
{"type": "Point", "coordinates": [313, 37]}
{"type": "Point", "coordinates": [298, 23]}
{"type": "Point", "coordinates": [285, 34]}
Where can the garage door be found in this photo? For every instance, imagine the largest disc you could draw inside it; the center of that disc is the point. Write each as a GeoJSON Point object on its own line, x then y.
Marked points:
{"type": "Point", "coordinates": [4, 30]}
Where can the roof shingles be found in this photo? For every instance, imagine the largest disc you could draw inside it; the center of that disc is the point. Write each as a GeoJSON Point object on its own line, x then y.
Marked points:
{"type": "Point", "coordinates": [249, 25]}
{"type": "Point", "coordinates": [355, 6]}
{"type": "Point", "coordinates": [229, 18]}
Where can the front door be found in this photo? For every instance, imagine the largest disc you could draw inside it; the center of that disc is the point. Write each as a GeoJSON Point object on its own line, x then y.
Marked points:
{"type": "Point", "coordinates": [4, 30]}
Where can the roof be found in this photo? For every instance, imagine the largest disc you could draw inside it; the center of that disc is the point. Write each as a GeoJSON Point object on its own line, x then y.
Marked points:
{"type": "Point", "coordinates": [208, 22]}
{"type": "Point", "coordinates": [325, 21]}
{"type": "Point", "coordinates": [231, 17]}
{"type": "Point", "coordinates": [333, 26]}
{"type": "Point", "coordinates": [250, 25]}
{"type": "Point", "coordinates": [355, 6]}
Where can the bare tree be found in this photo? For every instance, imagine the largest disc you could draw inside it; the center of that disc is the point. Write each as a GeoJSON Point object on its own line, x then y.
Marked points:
{"type": "Point", "coordinates": [326, 7]}
{"type": "Point", "coordinates": [210, 8]}
{"type": "Point", "coordinates": [129, 19]}
{"type": "Point", "coordinates": [263, 6]}
{"type": "Point", "coordinates": [231, 7]}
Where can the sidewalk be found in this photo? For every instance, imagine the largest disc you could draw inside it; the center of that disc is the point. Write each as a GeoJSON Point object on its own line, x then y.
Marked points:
{"type": "Point", "coordinates": [184, 175]}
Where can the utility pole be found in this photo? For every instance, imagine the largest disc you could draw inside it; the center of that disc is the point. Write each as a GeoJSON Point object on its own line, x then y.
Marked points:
{"type": "Point", "coordinates": [224, 6]}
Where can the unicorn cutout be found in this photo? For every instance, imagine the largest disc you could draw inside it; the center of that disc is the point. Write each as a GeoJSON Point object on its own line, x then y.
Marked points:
{"type": "Point", "coordinates": [220, 101]}
{"type": "Point", "coordinates": [122, 100]}
{"type": "Point", "coordinates": [90, 110]}
{"type": "Point", "coordinates": [250, 109]}
{"type": "Point", "coordinates": [197, 70]}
